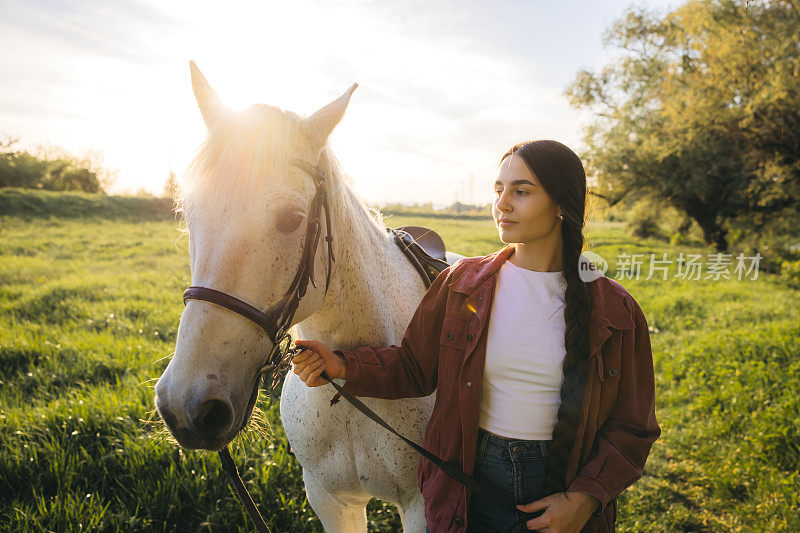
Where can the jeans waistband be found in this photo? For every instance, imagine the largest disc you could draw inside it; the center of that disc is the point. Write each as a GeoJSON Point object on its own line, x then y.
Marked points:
{"type": "Point", "coordinates": [506, 447]}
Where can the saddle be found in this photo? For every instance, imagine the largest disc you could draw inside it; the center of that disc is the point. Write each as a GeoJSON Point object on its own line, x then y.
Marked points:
{"type": "Point", "coordinates": [424, 248]}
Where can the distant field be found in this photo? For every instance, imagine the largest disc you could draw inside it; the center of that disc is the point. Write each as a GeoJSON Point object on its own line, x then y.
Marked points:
{"type": "Point", "coordinates": [89, 309]}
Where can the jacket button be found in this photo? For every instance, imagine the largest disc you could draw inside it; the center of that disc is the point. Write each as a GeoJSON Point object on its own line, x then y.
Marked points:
{"type": "Point", "coordinates": [449, 335]}
{"type": "Point", "coordinates": [459, 521]}
{"type": "Point", "coordinates": [612, 372]}
{"type": "Point", "coordinates": [469, 384]}
{"type": "Point", "coordinates": [469, 336]}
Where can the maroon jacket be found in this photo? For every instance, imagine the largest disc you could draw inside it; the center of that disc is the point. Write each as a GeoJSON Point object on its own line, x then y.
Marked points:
{"type": "Point", "coordinates": [444, 349]}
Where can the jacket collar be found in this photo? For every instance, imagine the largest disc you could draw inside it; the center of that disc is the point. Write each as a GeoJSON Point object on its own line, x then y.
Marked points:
{"type": "Point", "coordinates": [608, 301]}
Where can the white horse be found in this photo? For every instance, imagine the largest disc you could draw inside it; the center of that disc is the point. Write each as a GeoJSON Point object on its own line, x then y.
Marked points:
{"type": "Point", "coordinates": [245, 207]}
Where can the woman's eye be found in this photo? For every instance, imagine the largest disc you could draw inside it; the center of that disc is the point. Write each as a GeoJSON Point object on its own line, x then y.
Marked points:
{"type": "Point", "coordinates": [288, 221]}
{"type": "Point", "coordinates": [518, 192]}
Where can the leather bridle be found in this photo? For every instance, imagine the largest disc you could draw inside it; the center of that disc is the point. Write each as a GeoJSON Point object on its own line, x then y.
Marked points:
{"type": "Point", "coordinates": [277, 318]}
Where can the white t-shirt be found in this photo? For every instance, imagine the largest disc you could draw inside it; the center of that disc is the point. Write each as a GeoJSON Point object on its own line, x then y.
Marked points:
{"type": "Point", "coordinates": [525, 348]}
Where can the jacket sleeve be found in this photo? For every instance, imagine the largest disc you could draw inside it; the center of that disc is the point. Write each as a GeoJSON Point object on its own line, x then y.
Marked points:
{"type": "Point", "coordinates": [408, 370]}
{"type": "Point", "coordinates": [623, 442]}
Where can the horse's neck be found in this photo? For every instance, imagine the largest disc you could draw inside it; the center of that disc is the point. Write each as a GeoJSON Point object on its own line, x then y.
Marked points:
{"type": "Point", "coordinates": [374, 290]}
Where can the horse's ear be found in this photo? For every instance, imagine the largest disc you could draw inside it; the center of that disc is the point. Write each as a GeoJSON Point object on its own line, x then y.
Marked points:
{"type": "Point", "coordinates": [321, 124]}
{"type": "Point", "coordinates": [210, 105]}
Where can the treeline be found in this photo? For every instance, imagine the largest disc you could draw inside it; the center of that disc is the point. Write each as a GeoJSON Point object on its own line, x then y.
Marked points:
{"type": "Point", "coordinates": [51, 169]}
{"type": "Point", "coordinates": [30, 204]}
{"type": "Point", "coordinates": [24, 203]}
{"type": "Point", "coordinates": [426, 209]}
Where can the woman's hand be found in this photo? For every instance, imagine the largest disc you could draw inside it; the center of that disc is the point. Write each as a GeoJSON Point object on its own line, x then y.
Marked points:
{"type": "Point", "coordinates": [316, 358]}
{"type": "Point", "coordinates": [565, 512]}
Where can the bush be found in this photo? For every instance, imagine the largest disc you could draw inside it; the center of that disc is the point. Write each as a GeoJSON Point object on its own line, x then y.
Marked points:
{"type": "Point", "coordinates": [774, 236]}
{"type": "Point", "coordinates": [51, 168]}
{"type": "Point", "coordinates": [643, 221]}
{"type": "Point", "coordinates": [790, 273]}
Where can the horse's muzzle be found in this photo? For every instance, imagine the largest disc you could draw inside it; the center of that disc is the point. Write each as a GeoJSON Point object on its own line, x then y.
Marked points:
{"type": "Point", "coordinates": [210, 422]}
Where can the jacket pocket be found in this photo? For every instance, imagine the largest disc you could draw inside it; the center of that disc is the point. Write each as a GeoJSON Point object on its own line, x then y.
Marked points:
{"type": "Point", "coordinates": [452, 345]}
{"type": "Point", "coordinates": [609, 369]}
{"type": "Point", "coordinates": [454, 333]}
{"type": "Point", "coordinates": [430, 442]}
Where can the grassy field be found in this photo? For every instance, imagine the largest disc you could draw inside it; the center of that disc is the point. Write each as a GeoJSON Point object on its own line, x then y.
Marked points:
{"type": "Point", "coordinates": [89, 310]}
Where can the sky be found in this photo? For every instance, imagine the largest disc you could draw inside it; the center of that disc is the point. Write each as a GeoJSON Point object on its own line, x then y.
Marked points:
{"type": "Point", "coordinates": [445, 87]}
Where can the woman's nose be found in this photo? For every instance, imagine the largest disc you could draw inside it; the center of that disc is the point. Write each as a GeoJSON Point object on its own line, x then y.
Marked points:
{"type": "Point", "coordinates": [503, 203]}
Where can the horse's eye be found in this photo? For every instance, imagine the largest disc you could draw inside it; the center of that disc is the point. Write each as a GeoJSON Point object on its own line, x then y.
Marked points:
{"type": "Point", "coordinates": [288, 221]}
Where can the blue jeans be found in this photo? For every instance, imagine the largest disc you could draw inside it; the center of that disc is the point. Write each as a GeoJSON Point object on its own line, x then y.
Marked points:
{"type": "Point", "coordinates": [507, 467]}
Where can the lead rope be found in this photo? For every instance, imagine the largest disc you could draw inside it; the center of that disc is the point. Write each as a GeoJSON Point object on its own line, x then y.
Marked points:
{"type": "Point", "coordinates": [272, 367]}
{"type": "Point", "coordinates": [241, 491]}
{"type": "Point", "coordinates": [448, 468]}
{"type": "Point", "coordinates": [275, 365]}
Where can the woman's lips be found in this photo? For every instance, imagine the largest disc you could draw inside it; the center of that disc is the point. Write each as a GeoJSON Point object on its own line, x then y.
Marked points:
{"type": "Point", "coordinates": [505, 223]}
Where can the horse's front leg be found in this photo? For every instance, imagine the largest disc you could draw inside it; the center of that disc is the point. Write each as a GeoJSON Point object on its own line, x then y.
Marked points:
{"type": "Point", "coordinates": [412, 513]}
{"type": "Point", "coordinates": [338, 514]}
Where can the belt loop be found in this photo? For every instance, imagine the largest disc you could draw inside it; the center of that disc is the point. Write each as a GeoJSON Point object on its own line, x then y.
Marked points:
{"type": "Point", "coordinates": [483, 439]}
{"type": "Point", "coordinates": [543, 445]}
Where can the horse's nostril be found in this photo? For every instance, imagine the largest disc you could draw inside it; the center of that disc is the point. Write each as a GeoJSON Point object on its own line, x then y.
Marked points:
{"type": "Point", "coordinates": [213, 418]}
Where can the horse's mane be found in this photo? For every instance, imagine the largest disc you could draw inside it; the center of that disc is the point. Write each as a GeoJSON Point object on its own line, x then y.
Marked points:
{"type": "Point", "coordinates": [242, 151]}
{"type": "Point", "coordinates": [341, 193]}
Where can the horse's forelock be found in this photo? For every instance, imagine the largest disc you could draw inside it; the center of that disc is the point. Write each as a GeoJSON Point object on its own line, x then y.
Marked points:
{"type": "Point", "coordinates": [240, 153]}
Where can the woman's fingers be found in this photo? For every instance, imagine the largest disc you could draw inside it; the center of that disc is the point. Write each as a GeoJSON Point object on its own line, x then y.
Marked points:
{"type": "Point", "coordinates": [302, 356]}
{"type": "Point", "coordinates": [314, 378]}
{"type": "Point", "coordinates": [300, 363]}
{"type": "Point", "coordinates": [307, 343]}
{"type": "Point", "coordinates": [312, 360]}
{"type": "Point", "coordinates": [311, 367]}
{"type": "Point", "coordinates": [315, 358]}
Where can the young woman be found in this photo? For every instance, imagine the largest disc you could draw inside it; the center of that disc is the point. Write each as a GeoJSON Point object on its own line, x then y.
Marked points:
{"type": "Point", "coordinates": [542, 366]}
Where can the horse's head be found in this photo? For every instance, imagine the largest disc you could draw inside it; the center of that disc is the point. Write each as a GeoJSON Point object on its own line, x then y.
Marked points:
{"type": "Point", "coordinates": [246, 207]}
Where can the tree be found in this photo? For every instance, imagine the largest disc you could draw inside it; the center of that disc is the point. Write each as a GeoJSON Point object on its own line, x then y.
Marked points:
{"type": "Point", "coordinates": [701, 109]}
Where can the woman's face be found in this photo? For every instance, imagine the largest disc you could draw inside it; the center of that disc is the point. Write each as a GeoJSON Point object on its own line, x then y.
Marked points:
{"type": "Point", "coordinates": [523, 212]}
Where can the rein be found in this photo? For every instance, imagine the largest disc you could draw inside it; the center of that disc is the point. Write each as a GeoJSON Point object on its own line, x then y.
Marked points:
{"type": "Point", "coordinates": [277, 319]}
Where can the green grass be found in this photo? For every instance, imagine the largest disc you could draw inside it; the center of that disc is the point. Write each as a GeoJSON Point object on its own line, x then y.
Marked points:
{"type": "Point", "coordinates": [89, 309]}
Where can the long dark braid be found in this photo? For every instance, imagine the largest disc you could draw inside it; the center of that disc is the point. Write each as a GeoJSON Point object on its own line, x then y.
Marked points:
{"type": "Point", "coordinates": [561, 174]}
